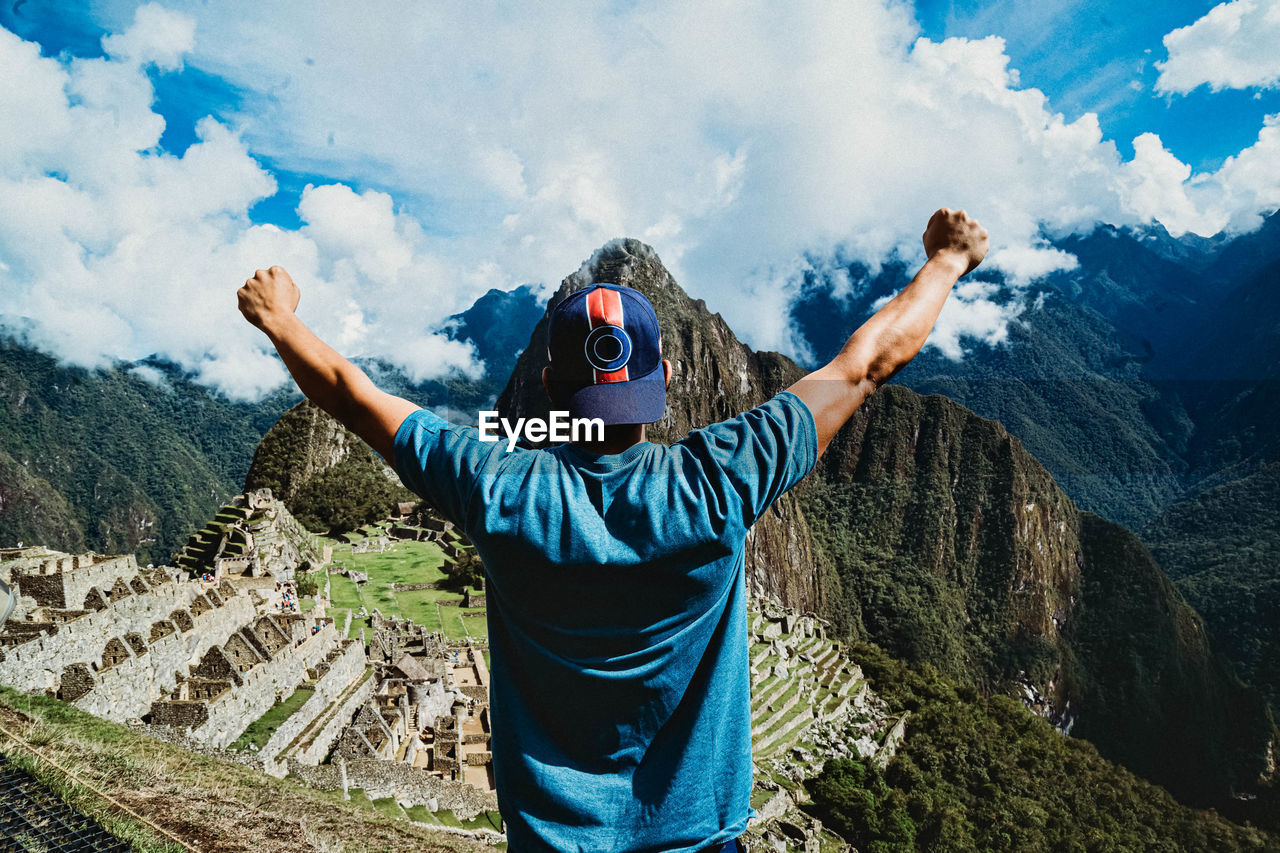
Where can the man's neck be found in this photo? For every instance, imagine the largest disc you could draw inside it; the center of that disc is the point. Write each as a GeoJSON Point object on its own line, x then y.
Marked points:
{"type": "Point", "coordinates": [617, 438]}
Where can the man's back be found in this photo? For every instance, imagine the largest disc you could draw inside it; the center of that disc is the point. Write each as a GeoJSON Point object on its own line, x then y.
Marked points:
{"type": "Point", "coordinates": [617, 609]}
{"type": "Point", "coordinates": [617, 621]}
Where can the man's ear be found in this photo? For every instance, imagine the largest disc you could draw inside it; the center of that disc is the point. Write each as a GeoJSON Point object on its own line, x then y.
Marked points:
{"type": "Point", "coordinates": [546, 380]}
{"type": "Point", "coordinates": [666, 371]}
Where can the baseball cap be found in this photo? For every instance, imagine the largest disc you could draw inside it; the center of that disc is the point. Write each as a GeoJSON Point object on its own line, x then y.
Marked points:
{"type": "Point", "coordinates": [606, 356]}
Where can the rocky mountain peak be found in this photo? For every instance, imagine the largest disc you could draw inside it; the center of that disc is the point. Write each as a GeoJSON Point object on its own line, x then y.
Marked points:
{"type": "Point", "coordinates": [714, 374]}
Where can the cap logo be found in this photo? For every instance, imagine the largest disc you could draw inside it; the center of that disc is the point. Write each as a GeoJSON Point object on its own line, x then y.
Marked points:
{"type": "Point", "coordinates": [608, 348]}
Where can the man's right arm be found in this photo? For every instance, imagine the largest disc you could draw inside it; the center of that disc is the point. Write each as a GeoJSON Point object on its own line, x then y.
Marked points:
{"type": "Point", "coordinates": [883, 345]}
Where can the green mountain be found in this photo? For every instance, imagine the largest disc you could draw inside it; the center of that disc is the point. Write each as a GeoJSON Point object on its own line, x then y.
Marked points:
{"type": "Point", "coordinates": [980, 773]}
{"type": "Point", "coordinates": [116, 460]}
{"type": "Point", "coordinates": [1222, 548]}
{"type": "Point", "coordinates": [323, 473]}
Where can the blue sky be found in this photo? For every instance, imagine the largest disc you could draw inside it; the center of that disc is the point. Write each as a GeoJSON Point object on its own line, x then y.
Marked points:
{"type": "Point", "coordinates": [1100, 57]}
{"type": "Point", "coordinates": [1094, 57]}
{"type": "Point", "coordinates": [404, 161]}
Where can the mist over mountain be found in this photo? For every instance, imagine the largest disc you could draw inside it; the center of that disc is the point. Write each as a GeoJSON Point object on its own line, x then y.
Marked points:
{"type": "Point", "coordinates": [1132, 377]}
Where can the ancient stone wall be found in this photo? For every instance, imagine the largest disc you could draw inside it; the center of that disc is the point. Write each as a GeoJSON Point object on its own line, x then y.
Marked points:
{"type": "Point", "coordinates": [64, 581]}
{"type": "Point", "coordinates": [128, 690]}
{"type": "Point", "coordinates": [262, 686]}
{"type": "Point", "coordinates": [35, 665]}
{"type": "Point", "coordinates": [316, 747]}
{"type": "Point", "coordinates": [410, 786]}
{"type": "Point", "coordinates": [347, 666]}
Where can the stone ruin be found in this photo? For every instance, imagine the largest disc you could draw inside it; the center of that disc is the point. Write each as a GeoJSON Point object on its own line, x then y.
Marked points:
{"type": "Point", "coordinates": [130, 644]}
{"type": "Point", "coordinates": [429, 712]}
{"type": "Point", "coordinates": [253, 535]}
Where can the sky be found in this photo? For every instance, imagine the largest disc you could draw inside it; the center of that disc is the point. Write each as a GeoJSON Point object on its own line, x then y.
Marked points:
{"type": "Point", "coordinates": [400, 159]}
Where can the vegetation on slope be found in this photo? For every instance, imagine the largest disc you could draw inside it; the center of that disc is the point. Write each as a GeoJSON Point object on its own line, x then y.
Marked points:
{"type": "Point", "coordinates": [979, 773]}
{"type": "Point", "coordinates": [1222, 548]}
{"type": "Point", "coordinates": [209, 803]}
{"type": "Point", "coordinates": [326, 476]}
{"type": "Point", "coordinates": [110, 461]}
{"type": "Point", "coordinates": [953, 547]}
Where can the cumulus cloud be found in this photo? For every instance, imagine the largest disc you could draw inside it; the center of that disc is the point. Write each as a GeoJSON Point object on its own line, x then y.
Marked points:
{"type": "Point", "coordinates": [1236, 45]}
{"type": "Point", "coordinates": [110, 249]}
{"type": "Point", "coordinates": [973, 313]}
{"type": "Point", "coordinates": [512, 141]}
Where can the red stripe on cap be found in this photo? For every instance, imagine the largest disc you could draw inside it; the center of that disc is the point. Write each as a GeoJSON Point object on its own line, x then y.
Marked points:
{"type": "Point", "coordinates": [604, 308]}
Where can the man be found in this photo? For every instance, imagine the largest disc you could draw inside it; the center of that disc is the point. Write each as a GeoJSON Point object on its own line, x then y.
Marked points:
{"type": "Point", "coordinates": [620, 699]}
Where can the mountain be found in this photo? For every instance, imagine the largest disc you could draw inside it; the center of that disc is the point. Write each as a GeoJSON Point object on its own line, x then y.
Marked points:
{"type": "Point", "coordinates": [1222, 548]}
{"type": "Point", "coordinates": [933, 533]}
{"type": "Point", "coordinates": [131, 458]}
{"type": "Point", "coordinates": [1139, 376]}
{"type": "Point", "coordinates": [323, 473]}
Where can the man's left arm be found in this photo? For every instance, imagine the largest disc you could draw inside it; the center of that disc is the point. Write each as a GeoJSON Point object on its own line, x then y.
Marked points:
{"type": "Point", "coordinates": [269, 301]}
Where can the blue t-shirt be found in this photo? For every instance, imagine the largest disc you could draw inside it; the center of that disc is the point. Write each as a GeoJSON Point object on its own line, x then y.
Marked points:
{"type": "Point", "coordinates": [620, 696]}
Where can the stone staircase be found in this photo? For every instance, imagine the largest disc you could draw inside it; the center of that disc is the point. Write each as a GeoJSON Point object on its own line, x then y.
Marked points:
{"type": "Point", "coordinates": [798, 678]}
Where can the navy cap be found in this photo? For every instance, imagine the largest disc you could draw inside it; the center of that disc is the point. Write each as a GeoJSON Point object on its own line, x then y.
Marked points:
{"type": "Point", "coordinates": [606, 356]}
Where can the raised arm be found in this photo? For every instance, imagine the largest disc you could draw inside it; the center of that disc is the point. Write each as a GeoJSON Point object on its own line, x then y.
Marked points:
{"type": "Point", "coordinates": [883, 345]}
{"type": "Point", "coordinates": [268, 301]}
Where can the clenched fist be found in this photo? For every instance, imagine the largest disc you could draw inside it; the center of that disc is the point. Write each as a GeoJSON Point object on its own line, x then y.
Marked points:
{"type": "Point", "coordinates": [269, 294]}
{"type": "Point", "coordinates": [953, 232]}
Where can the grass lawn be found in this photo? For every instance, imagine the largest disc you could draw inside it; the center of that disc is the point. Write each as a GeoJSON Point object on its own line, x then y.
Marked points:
{"type": "Point", "coordinates": [420, 606]}
{"type": "Point", "coordinates": [261, 729]}
{"type": "Point", "coordinates": [440, 818]}
{"type": "Point", "coordinates": [484, 820]}
{"type": "Point", "coordinates": [403, 563]}
{"type": "Point", "coordinates": [343, 593]}
{"type": "Point", "coordinates": [470, 622]}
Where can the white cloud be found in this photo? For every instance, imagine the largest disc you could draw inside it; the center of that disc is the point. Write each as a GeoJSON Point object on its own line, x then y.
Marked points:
{"type": "Point", "coordinates": [971, 313]}
{"type": "Point", "coordinates": [1024, 264]}
{"type": "Point", "coordinates": [1236, 45]}
{"type": "Point", "coordinates": [157, 36]}
{"type": "Point", "coordinates": [512, 141]}
{"type": "Point", "coordinates": [111, 250]}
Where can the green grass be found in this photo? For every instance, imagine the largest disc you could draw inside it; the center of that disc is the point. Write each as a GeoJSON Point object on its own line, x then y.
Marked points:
{"type": "Point", "coordinates": [388, 806]}
{"type": "Point", "coordinates": [404, 563]}
{"type": "Point", "coordinates": [484, 820]}
{"type": "Point", "coordinates": [420, 606]}
{"type": "Point", "coordinates": [139, 837]}
{"type": "Point", "coordinates": [261, 729]}
{"type": "Point", "coordinates": [358, 798]}
{"type": "Point", "coordinates": [343, 593]}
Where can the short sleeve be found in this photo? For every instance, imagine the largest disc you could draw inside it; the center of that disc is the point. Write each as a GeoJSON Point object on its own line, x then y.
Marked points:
{"type": "Point", "coordinates": [761, 453]}
{"type": "Point", "coordinates": [441, 462]}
